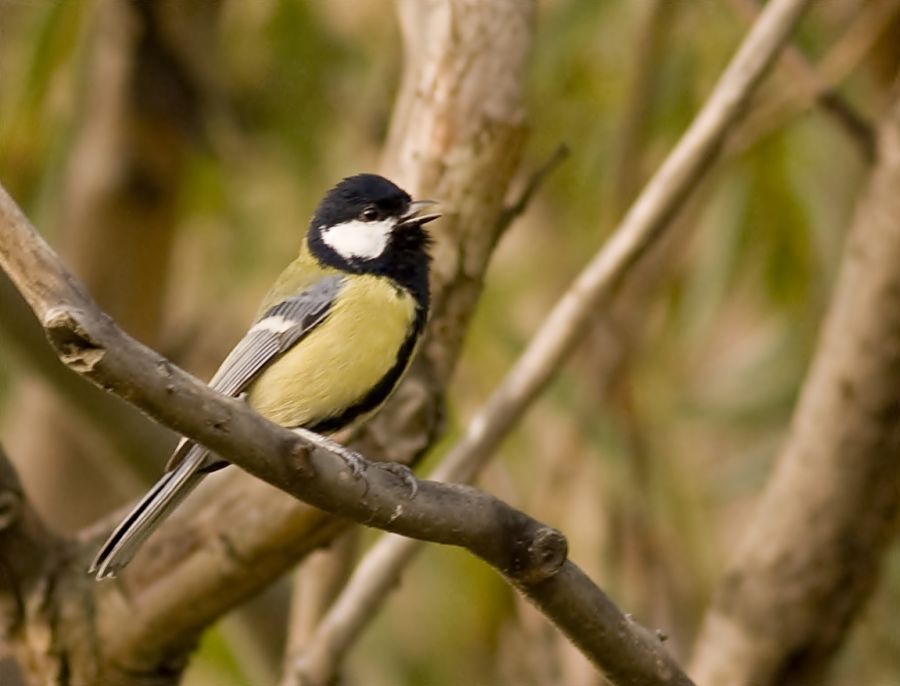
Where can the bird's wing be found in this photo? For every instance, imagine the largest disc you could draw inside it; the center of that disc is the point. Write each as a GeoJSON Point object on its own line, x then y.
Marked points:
{"type": "Point", "coordinates": [276, 330]}
{"type": "Point", "coordinates": [273, 333]}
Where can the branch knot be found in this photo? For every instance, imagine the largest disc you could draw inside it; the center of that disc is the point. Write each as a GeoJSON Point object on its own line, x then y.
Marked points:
{"type": "Point", "coordinates": [544, 556]}
{"type": "Point", "coordinates": [76, 346]}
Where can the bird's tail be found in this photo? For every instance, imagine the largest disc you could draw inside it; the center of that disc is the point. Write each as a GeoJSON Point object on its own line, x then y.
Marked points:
{"type": "Point", "coordinates": [143, 519]}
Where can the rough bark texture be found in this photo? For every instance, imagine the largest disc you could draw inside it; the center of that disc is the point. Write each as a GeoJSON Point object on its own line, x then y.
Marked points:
{"type": "Point", "coordinates": [812, 554]}
{"type": "Point", "coordinates": [33, 564]}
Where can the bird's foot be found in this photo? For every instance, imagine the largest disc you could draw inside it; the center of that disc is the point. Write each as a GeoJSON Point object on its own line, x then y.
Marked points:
{"type": "Point", "coordinates": [356, 462]}
{"type": "Point", "coordinates": [402, 472]}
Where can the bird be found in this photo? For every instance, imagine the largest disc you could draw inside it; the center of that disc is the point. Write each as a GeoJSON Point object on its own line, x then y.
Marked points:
{"type": "Point", "coordinates": [330, 341]}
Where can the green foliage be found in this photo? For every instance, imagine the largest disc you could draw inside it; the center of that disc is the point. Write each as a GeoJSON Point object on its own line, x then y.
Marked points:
{"type": "Point", "coordinates": [38, 48]}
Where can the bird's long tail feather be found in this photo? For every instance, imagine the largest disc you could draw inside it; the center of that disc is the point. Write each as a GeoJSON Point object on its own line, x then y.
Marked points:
{"type": "Point", "coordinates": [149, 513]}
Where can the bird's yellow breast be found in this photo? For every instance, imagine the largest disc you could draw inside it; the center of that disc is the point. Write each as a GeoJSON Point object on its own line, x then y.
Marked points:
{"type": "Point", "coordinates": [339, 361]}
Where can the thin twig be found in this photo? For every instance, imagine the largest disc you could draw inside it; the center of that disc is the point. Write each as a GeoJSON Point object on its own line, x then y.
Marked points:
{"type": "Point", "coordinates": [515, 209]}
{"type": "Point", "coordinates": [641, 227]}
{"type": "Point", "coordinates": [315, 585]}
{"type": "Point", "coordinates": [817, 84]}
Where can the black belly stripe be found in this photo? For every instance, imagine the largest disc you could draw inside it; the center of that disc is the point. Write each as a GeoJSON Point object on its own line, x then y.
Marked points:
{"type": "Point", "coordinates": [380, 391]}
{"type": "Point", "coordinates": [406, 264]}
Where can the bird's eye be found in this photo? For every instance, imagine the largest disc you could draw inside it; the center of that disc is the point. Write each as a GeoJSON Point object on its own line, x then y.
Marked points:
{"type": "Point", "coordinates": [369, 214]}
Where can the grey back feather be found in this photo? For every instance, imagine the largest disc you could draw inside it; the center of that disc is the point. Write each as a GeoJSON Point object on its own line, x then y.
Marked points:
{"type": "Point", "coordinates": [291, 320]}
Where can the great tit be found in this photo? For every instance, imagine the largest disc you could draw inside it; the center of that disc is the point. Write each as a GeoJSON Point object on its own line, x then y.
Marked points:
{"type": "Point", "coordinates": [331, 339]}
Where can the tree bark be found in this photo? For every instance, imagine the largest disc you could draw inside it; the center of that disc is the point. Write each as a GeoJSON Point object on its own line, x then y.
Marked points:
{"type": "Point", "coordinates": [813, 552]}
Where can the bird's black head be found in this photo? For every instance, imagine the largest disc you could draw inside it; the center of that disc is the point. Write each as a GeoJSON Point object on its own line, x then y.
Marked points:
{"type": "Point", "coordinates": [366, 224]}
{"type": "Point", "coordinates": [364, 197]}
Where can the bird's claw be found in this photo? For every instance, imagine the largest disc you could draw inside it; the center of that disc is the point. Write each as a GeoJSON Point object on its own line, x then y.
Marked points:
{"type": "Point", "coordinates": [404, 473]}
{"type": "Point", "coordinates": [356, 462]}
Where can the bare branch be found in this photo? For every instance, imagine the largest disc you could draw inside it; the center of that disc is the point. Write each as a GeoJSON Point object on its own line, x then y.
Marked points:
{"type": "Point", "coordinates": [642, 225]}
{"type": "Point", "coordinates": [817, 84]}
{"type": "Point", "coordinates": [529, 554]}
{"type": "Point", "coordinates": [315, 585]}
{"type": "Point", "coordinates": [316, 662]}
{"type": "Point", "coordinates": [512, 211]}
{"type": "Point", "coordinates": [127, 431]}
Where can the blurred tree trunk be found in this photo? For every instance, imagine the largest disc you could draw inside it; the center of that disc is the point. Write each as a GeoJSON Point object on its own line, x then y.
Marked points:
{"type": "Point", "coordinates": [812, 555]}
{"type": "Point", "coordinates": [138, 109]}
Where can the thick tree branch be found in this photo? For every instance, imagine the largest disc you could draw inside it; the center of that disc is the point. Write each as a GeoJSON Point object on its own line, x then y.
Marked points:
{"type": "Point", "coordinates": [213, 554]}
{"type": "Point", "coordinates": [26, 546]}
{"type": "Point", "coordinates": [812, 554]}
{"type": "Point", "coordinates": [531, 555]}
{"type": "Point", "coordinates": [127, 431]}
{"type": "Point", "coordinates": [30, 559]}
{"type": "Point", "coordinates": [638, 231]}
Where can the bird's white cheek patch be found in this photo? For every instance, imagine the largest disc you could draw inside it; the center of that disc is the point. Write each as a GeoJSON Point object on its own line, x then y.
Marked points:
{"type": "Point", "coordinates": [365, 240]}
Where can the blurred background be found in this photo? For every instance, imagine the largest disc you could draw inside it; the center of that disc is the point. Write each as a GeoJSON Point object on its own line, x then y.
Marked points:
{"type": "Point", "coordinates": [177, 199]}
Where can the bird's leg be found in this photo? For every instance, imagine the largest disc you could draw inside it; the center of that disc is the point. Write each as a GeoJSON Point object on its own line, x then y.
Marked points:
{"type": "Point", "coordinates": [356, 462]}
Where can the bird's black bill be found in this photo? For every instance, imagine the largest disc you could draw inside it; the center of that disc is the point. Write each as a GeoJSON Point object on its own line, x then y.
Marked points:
{"type": "Point", "coordinates": [414, 213]}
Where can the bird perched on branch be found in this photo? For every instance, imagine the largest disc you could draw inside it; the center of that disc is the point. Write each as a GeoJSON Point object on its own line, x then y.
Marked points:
{"type": "Point", "coordinates": [332, 338]}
